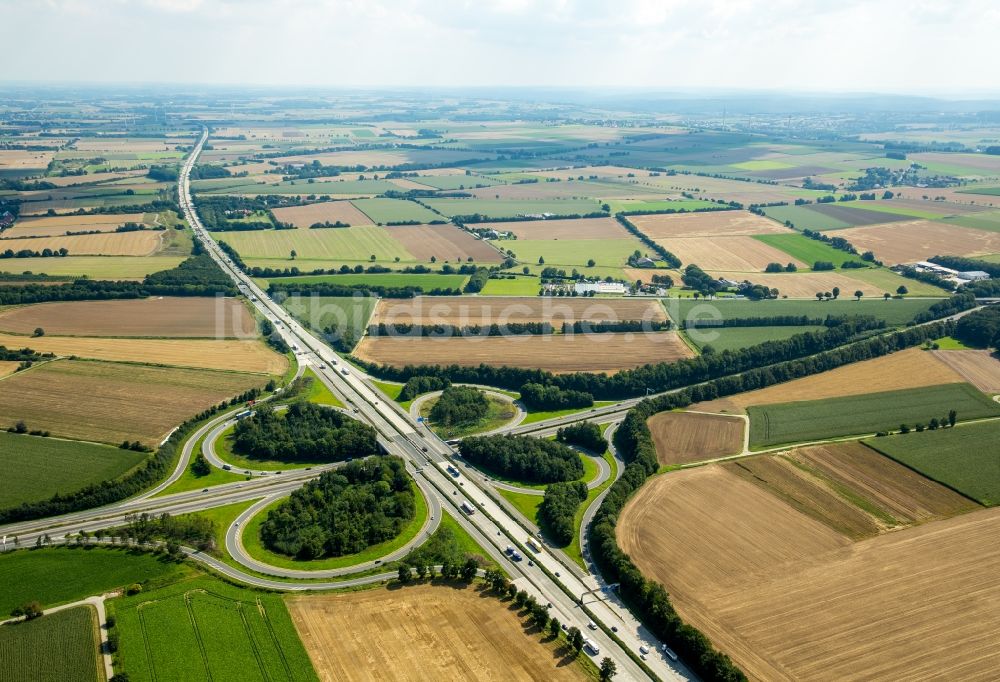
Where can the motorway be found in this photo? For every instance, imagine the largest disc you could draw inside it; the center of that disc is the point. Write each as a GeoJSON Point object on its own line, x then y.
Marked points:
{"type": "Point", "coordinates": [575, 600]}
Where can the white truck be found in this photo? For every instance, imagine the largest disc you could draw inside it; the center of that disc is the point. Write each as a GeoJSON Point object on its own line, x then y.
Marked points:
{"type": "Point", "coordinates": [468, 509]}
{"type": "Point", "coordinates": [533, 544]}
{"type": "Point", "coordinates": [591, 646]}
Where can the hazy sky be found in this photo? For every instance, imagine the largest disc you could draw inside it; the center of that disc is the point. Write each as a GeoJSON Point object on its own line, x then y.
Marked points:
{"type": "Point", "coordinates": [916, 46]}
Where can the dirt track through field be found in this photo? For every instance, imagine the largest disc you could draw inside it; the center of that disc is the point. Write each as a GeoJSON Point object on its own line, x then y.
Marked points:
{"type": "Point", "coordinates": [158, 316]}
{"type": "Point", "coordinates": [911, 368]}
{"type": "Point", "coordinates": [790, 599]}
{"type": "Point", "coordinates": [425, 633]}
{"type": "Point", "coordinates": [555, 353]}
{"type": "Point", "coordinates": [683, 437]}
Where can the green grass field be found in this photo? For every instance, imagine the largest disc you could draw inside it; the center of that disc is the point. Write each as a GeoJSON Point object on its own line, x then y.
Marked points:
{"type": "Point", "coordinates": [342, 244]}
{"type": "Point", "coordinates": [384, 211]}
{"type": "Point", "coordinates": [889, 281]}
{"type": "Point", "coordinates": [734, 338]}
{"type": "Point", "coordinates": [807, 250]}
{"type": "Point", "coordinates": [385, 279]}
{"type": "Point", "coordinates": [804, 218]}
{"type": "Point", "coordinates": [963, 458]}
{"type": "Point", "coordinates": [204, 628]}
{"type": "Point", "coordinates": [895, 312]}
{"type": "Point", "coordinates": [864, 414]}
{"type": "Point", "coordinates": [570, 253]}
{"type": "Point", "coordinates": [977, 221]}
{"type": "Point", "coordinates": [94, 267]}
{"type": "Point", "coordinates": [320, 312]}
{"type": "Point", "coordinates": [523, 502]}
{"type": "Point", "coordinates": [318, 392]}
{"type": "Point", "coordinates": [37, 468]}
{"type": "Point", "coordinates": [58, 575]}
{"type": "Point", "coordinates": [511, 208]}
{"type": "Point", "coordinates": [988, 191]}
{"type": "Point", "coordinates": [520, 286]}
{"type": "Point", "coordinates": [61, 646]}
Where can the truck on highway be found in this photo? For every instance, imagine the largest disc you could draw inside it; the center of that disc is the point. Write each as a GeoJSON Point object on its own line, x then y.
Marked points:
{"type": "Point", "coordinates": [467, 508]}
{"type": "Point", "coordinates": [591, 645]}
{"type": "Point", "coordinates": [669, 652]}
{"type": "Point", "coordinates": [533, 544]}
{"type": "Point", "coordinates": [343, 370]}
{"type": "Point", "coordinates": [244, 414]}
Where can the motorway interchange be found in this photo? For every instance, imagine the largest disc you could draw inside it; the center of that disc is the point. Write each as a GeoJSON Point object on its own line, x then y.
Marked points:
{"type": "Point", "coordinates": [576, 597]}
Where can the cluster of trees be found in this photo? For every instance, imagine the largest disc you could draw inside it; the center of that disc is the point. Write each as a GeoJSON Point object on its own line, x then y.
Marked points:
{"type": "Point", "coordinates": [22, 354]}
{"type": "Point", "coordinates": [327, 223]}
{"type": "Point", "coordinates": [344, 511]}
{"type": "Point", "coordinates": [980, 328]}
{"type": "Point", "coordinates": [162, 173]}
{"type": "Point", "coordinates": [459, 405]}
{"type": "Point", "coordinates": [557, 512]}
{"type": "Point", "coordinates": [198, 270]}
{"type": "Point", "coordinates": [537, 396]}
{"type": "Point", "coordinates": [699, 280]}
{"type": "Point", "coordinates": [926, 277]}
{"type": "Point", "coordinates": [778, 267]}
{"type": "Point", "coordinates": [756, 292]}
{"type": "Point", "coordinates": [418, 385]}
{"type": "Point", "coordinates": [214, 211]}
{"type": "Point", "coordinates": [28, 253]}
{"type": "Point", "coordinates": [272, 337]}
{"type": "Point", "coordinates": [189, 529]}
{"type": "Point", "coordinates": [209, 172]}
{"type": "Point", "coordinates": [984, 288]}
{"type": "Point", "coordinates": [588, 327]}
{"type": "Point", "coordinates": [305, 432]}
{"type": "Point", "coordinates": [331, 289]}
{"type": "Point", "coordinates": [474, 218]}
{"type": "Point", "coordinates": [777, 321]}
{"type": "Point", "coordinates": [585, 434]}
{"type": "Point", "coordinates": [477, 281]}
{"type": "Point", "coordinates": [669, 258]}
{"type": "Point", "coordinates": [450, 330]}
{"type": "Point", "coordinates": [523, 458]}
{"type": "Point", "coordinates": [108, 492]}
{"type": "Point", "coordinates": [934, 424]}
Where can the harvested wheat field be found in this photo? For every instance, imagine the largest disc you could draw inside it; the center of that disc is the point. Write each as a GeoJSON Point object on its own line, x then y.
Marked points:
{"type": "Point", "coordinates": [732, 254]}
{"type": "Point", "coordinates": [109, 402]}
{"type": "Point", "coordinates": [54, 226]}
{"type": "Point", "coordinates": [22, 160]}
{"type": "Point", "coordinates": [788, 598]}
{"type": "Point", "coordinates": [327, 211]}
{"type": "Point", "coordinates": [581, 228]}
{"type": "Point", "coordinates": [178, 317]}
{"type": "Point", "coordinates": [805, 284]}
{"type": "Point", "coordinates": [142, 243]}
{"type": "Point", "coordinates": [979, 367]}
{"type": "Point", "coordinates": [8, 366]}
{"type": "Point", "coordinates": [911, 368]}
{"type": "Point", "coordinates": [238, 356]}
{"type": "Point", "coordinates": [554, 353]}
{"type": "Point", "coordinates": [813, 480]}
{"type": "Point", "coordinates": [684, 437]}
{"type": "Point", "coordinates": [484, 310]}
{"type": "Point", "coordinates": [422, 632]}
{"type": "Point", "coordinates": [705, 224]}
{"type": "Point", "coordinates": [444, 242]}
{"type": "Point", "coordinates": [917, 240]}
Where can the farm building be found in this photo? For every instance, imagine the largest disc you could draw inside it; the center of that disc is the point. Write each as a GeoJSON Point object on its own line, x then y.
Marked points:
{"type": "Point", "coordinates": [599, 287]}
{"type": "Point", "coordinates": [973, 275]}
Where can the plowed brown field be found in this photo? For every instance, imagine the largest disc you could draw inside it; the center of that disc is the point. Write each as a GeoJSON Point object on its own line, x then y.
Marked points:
{"type": "Point", "coordinates": [911, 368]}
{"type": "Point", "coordinates": [706, 224]}
{"type": "Point", "coordinates": [162, 316]}
{"type": "Point", "coordinates": [238, 356]}
{"type": "Point", "coordinates": [788, 598]}
{"type": "Point", "coordinates": [979, 367]}
{"type": "Point", "coordinates": [444, 242]}
{"type": "Point", "coordinates": [422, 633]}
{"type": "Point", "coordinates": [917, 240]}
{"type": "Point", "coordinates": [332, 211]}
{"type": "Point", "coordinates": [683, 437]}
{"type": "Point", "coordinates": [110, 402]}
{"type": "Point", "coordinates": [555, 353]}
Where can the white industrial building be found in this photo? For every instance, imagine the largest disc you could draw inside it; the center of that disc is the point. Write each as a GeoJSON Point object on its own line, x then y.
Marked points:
{"type": "Point", "coordinates": [599, 287]}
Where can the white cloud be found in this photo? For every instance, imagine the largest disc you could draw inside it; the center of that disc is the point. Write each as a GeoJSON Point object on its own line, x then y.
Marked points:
{"type": "Point", "coordinates": [889, 45]}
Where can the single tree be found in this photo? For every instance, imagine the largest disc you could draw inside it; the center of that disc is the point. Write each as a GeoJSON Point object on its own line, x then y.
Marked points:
{"type": "Point", "coordinates": [952, 417]}
{"type": "Point", "coordinates": [858, 294]}
{"type": "Point", "coordinates": [902, 290]}
{"type": "Point", "coordinates": [819, 295]}
{"type": "Point", "coordinates": [404, 574]}
{"type": "Point", "coordinates": [541, 260]}
{"type": "Point", "coordinates": [293, 254]}
{"type": "Point", "coordinates": [836, 292]}
{"type": "Point", "coordinates": [591, 263]}
{"type": "Point", "coordinates": [608, 669]}
{"type": "Point", "coordinates": [576, 639]}
{"type": "Point", "coordinates": [554, 627]}
{"type": "Point", "coordinates": [38, 332]}
{"type": "Point", "coordinates": [887, 296]}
